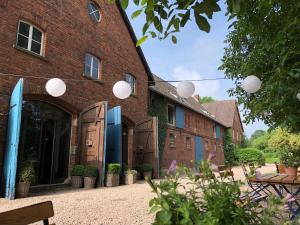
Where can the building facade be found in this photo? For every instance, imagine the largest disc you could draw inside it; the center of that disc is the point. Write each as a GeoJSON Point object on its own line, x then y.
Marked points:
{"type": "Point", "coordinates": [91, 46]}
{"type": "Point", "coordinates": [192, 133]}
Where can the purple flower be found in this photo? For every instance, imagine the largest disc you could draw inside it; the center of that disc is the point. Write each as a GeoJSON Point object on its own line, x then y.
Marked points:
{"type": "Point", "coordinates": [172, 167]}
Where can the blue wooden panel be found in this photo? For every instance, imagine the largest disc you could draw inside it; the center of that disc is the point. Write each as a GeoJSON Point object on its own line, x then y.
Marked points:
{"type": "Point", "coordinates": [179, 117]}
{"type": "Point", "coordinates": [12, 140]}
{"type": "Point", "coordinates": [104, 144]}
{"type": "Point", "coordinates": [114, 136]}
{"type": "Point", "coordinates": [198, 148]}
{"type": "Point", "coordinates": [218, 132]}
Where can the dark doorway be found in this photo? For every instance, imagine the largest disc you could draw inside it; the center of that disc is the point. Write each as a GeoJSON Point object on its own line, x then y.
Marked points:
{"type": "Point", "coordinates": [45, 140]}
{"type": "Point", "coordinates": [124, 144]}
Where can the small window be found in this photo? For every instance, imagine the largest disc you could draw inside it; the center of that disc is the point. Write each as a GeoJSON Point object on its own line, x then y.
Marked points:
{"type": "Point", "coordinates": [132, 81]}
{"type": "Point", "coordinates": [91, 66]}
{"type": "Point", "coordinates": [171, 115]}
{"type": "Point", "coordinates": [172, 140]}
{"type": "Point", "coordinates": [30, 38]}
{"type": "Point", "coordinates": [188, 142]}
{"type": "Point", "coordinates": [94, 12]}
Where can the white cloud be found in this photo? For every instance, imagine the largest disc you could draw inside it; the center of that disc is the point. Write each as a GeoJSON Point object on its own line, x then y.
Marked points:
{"type": "Point", "coordinates": [203, 88]}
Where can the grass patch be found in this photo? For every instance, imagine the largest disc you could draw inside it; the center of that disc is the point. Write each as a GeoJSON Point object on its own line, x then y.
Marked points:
{"type": "Point", "coordinates": [272, 160]}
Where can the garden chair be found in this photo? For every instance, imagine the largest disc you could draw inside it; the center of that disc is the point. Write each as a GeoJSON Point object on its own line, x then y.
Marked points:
{"type": "Point", "coordinates": [29, 214]}
{"type": "Point", "coordinates": [226, 172]}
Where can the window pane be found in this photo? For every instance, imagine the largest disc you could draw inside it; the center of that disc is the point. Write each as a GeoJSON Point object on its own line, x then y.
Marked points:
{"type": "Point", "coordinates": [92, 7]}
{"type": "Point", "coordinates": [87, 70]}
{"type": "Point", "coordinates": [170, 115]}
{"type": "Point", "coordinates": [24, 29]}
{"type": "Point", "coordinates": [95, 63]}
{"type": "Point", "coordinates": [37, 35]}
{"type": "Point", "coordinates": [95, 73]}
{"type": "Point", "coordinates": [96, 15]}
{"type": "Point", "coordinates": [22, 41]}
{"type": "Point", "coordinates": [36, 47]}
{"type": "Point", "coordinates": [88, 60]}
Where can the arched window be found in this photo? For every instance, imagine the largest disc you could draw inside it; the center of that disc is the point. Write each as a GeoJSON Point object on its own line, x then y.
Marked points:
{"type": "Point", "coordinates": [92, 66]}
{"type": "Point", "coordinates": [132, 81]}
{"type": "Point", "coordinates": [30, 38]}
{"type": "Point", "coordinates": [94, 11]}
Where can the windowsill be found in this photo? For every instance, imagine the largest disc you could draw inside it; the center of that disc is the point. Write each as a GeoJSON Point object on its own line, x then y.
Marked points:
{"type": "Point", "coordinates": [93, 79]}
{"type": "Point", "coordinates": [172, 146]}
{"type": "Point", "coordinates": [170, 124]}
{"type": "Point", "coordinates": [30, 53]}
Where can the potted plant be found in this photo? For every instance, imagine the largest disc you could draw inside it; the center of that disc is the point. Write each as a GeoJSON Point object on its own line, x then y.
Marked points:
{"type": "Point", "coordinates": [76, 176]}
{"type": "Point", "coordinates": [90, 176]}
{"type": "Point", "coordinates": [130, 176]}
{"type": "Point", "coordinates": [113, 175]}
{"type": "Point", "coordinates": [290, 158]}
{"type": "Point", "coordinates": [147, 170]}
{"type": "Point", "coordinates": [139, 169]}
{"type": "Point", "coordinates": [26, 176]}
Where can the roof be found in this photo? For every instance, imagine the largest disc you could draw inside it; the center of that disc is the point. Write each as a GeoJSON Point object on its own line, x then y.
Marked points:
{"type": "Point", "coordinates": [223, 110]}
{"type": "Point", "coordinates": [134, 39]}
{"type": "Point", "coordinates": [169, 91]}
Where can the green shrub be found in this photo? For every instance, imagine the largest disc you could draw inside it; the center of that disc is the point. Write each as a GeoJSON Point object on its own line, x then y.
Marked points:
{"type": "Point", "coordinates": [78, 170]}
{"type": "Point", "coordinates": [290, 157]}
{"type": "Point", "coordinates": [250, 155]}
{"type": "Point", "coordinates": [129, 171]}
{"type": "Point", "coordinates": [147, 167]}
{"type": "Point", "coordinates": [114, 168]}
{"type": "Point", "coordinates": [91, 171]}
{"type": "Point", "coordinates": [27, 173]}
{"type": "Point", "coordinates": [138, 168]}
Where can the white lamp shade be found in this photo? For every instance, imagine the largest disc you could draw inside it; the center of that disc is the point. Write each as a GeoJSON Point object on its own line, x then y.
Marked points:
{"type": "Point", "coordinates": [56, 87]}
{"type": "Point", "coordinates": [251, 84]}
{"type": "Point", "coordinates": [298, 96]}
{"type": "Point", "coordinates": [185, 89]}
{"type": "Point", "coordinates": [122, 89]}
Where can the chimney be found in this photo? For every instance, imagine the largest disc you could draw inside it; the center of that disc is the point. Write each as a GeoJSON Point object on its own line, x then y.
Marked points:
{"type": "Point", "coordinates": [197, 98]}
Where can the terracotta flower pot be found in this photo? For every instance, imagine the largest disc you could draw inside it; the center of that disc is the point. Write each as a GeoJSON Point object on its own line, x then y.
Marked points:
{"type": "Point", "coordinates": [112, 180]}
{"type": "Point", "coordinates": [89, 182]}
{"type": "Point", "coordinates": [130, 178]}
{"type": "Point", "coordinates": [291, 171]}
{"type": "Point", "coordinates": [22, 189]}
{"type": "Point", "coordinates": [76, 181]}
{"type": "Point", "coordinates": [147, 174]}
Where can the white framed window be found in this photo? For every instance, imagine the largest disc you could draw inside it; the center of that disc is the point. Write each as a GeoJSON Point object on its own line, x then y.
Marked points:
{"type": "Point", "coordinates": [171, 114]}
{"type": "Point", "coordinates": [92, 66]}
{"type": "Point", "coordinates": [132, 81]}
{"type": "Point", "coordinates": [30, 38]}
{"type": "Point", "coordinates": [94, 12]}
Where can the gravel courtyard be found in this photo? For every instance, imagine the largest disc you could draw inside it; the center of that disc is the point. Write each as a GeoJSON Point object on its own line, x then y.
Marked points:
{"type": "Point", "coordinates": [125, 205]}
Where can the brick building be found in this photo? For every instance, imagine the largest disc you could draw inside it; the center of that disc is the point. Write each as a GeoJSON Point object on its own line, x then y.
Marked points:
{"type": "Point", "coordinates": [192, 131]}
{"type": "Point", "coordinates": [90, 45]}
{"type": "Point", "coordinates": [227, 112]}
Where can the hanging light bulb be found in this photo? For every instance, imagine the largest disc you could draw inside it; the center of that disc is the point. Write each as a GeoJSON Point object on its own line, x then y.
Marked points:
{"type": "Point", "coordinates": [185, 89]}
{"type": "Point", "coordinates": [298, 96]}
{"type": "Point", "coordinates": [251, 84]}
{"type": "Point", "coordinates": [122, 89]}
{"type": "Point", "coordinates": [56, 87]}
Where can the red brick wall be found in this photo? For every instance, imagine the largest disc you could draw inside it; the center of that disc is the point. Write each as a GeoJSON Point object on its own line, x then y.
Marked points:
{"type": "Point", "coordinates": [237, 129]}
{"type": "Point", "coordinates": [70, 33]}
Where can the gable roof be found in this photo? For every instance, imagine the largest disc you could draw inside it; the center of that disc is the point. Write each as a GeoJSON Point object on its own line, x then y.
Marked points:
{"type": "Point", "coordinates": [224, 111]}
{"type": "Point", "coordinates": [134, 39]}
{"type": "Point", "coordinates": [169, 91]}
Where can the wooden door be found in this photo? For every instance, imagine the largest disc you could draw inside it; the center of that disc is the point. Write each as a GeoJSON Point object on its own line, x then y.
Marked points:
{"type": "Point", "coordinates": [146, 144]}
{"type": "Point", "coordinates": [198, 148]}
{"type": "Point", "coordinates": [93, 137]}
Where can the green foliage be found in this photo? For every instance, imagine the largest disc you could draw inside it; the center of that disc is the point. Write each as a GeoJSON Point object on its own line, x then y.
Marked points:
{"type": "Point", "coordinates": [147, 167]}
{"type": "Point", "coordinates": [90, 171]}
{"type": "Point", "coordinates": [129, 171]}
{"type": "Point", "coordinates": [27, 172]}
{"type": "Point", "coordinates": [204, 199]}
{"type": "Point", "coordinates": [264, 41]}
{"type": "Point", "coordinates": [138, 168]}
{"type": "Point", "coordinates": [250, 155]}
{"type": "Point", "coordinates": [158, 108]}
{"type": "Point", "coordinates": [206, 99]}
{"type": "Point", "coordinates": [282, 139]}
{"type": "Point", "coordinates": [257, 134]}
{"type": "Point", "coordinates": [290, 157]}
{"type": "Point", "coordinates": [78, 170]}
{"type": "Point", "coordinates": [229, 153]}
{"type": "Point", "coordinates": [260, 142]}
{"type": "Point", "coordinates": [114, 168]}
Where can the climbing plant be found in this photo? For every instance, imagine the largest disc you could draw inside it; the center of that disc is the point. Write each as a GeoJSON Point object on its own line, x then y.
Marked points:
{"type": "Point", "coordinates": [158, 108]}
{"type": "Point", "coordinates": [229, 154]}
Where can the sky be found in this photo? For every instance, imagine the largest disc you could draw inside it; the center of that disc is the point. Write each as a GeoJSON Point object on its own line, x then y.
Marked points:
{"type": "Point", "coordinates": [196, 55]}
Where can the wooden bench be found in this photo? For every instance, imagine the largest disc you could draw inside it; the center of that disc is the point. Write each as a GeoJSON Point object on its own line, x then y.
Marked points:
{"type": "Point", "coordinates": [29, 214]}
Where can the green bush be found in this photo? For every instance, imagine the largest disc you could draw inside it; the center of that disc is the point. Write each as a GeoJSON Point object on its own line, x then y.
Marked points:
{"type": "Point", "coordinates": [114, 168]}
{"type": "Point", "coordinates": [138, 168]}
{"type": "Point", "coordinates": [27, 173]}
{"type": "Point", "coordinates": [250, 155]}
{"type": "Point", "coordinates": [91, 171]}
{"type": "Point", "coordinates": [78, 170]}
{"type": "Point", "coordinates": [129, 171]}
{"type": "Point", "coordinates": [290, 157]}
{"type": "Point", "coordinates": [147, 167]}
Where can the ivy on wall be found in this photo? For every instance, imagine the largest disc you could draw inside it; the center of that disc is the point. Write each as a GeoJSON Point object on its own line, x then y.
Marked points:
{"type": "Point", "coordinates": [158, 108]}
{"type": "Point", "coordinates": [229, 154]}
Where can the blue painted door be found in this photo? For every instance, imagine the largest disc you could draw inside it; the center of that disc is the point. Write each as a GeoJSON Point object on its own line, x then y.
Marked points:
{"type": "Point", "coordinates": [12, 140]}
{"type": "Point", "coordinates": [198, 148]}
{"type": "Point", "coordinates": [114, 136]}
{"type": "Point", "coordinates": [179, 117]}
{"type": "Point", "coordinates": [218, 132]}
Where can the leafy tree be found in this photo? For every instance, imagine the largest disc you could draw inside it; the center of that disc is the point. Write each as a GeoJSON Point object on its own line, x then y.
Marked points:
{"type": "Point", "coordinates": [282, 139]}
{"type": "Point", "coordinates": [261, 142]}
{"type": "Point", "coordinates": [229, 153]}
{"type": "Point", "coordinates": [206, 99]}
{"type": "Point", "coordinates": [257, 134]}
{"type": "Point", "coordinates": [264, 41]}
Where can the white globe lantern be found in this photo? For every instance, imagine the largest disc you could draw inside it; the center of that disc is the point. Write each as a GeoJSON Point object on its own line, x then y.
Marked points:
{"type": "Point", "coordinates": [185, 89]}
{"type": "Point", "coordinates": [298, 96]}
{"type": "Point", "coordinates": [251, 84]}
{"type": "Point", "coordinates": [56, 87]}
{"type": "Point", "coordinates": [122, 89]}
